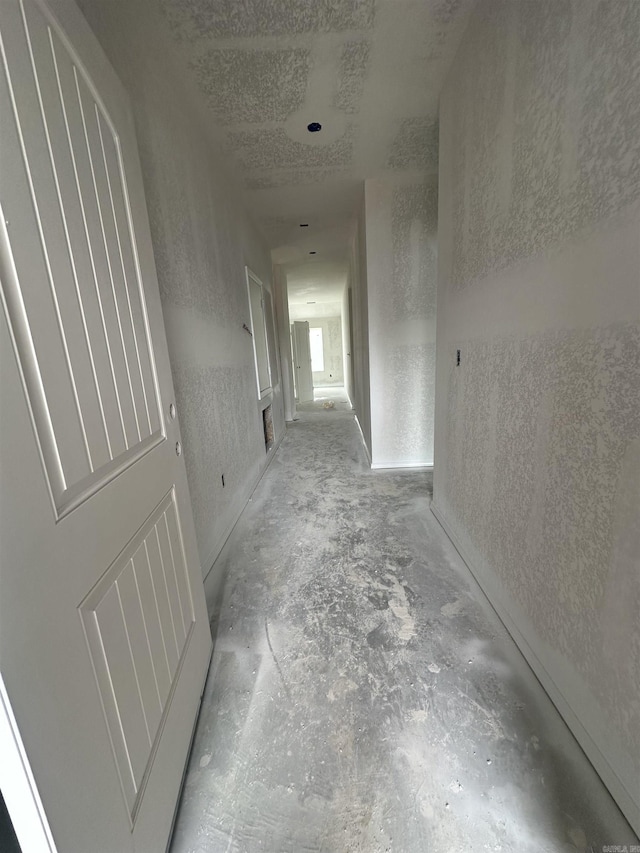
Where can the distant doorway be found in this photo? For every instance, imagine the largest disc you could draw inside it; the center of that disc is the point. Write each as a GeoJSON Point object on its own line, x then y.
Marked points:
{"type": "Point", "coordinates": [303, 372]}
{"type": "Point", "coordinates": [332, 399]}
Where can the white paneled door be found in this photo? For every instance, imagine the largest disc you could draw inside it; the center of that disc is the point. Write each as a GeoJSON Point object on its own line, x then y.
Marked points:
{"type": "Point", "coordinates": [302, 355]}
{"type": "Point", "coordinates": [104, 636]}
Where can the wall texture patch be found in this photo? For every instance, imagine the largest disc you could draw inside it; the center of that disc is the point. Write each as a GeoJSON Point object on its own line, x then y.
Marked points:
{"type": "Point", "coordinates": [415, 145]}
{"type": "Point", "coordinates": [401, 221]}
{"type": "Point", "coordinates": [409, 403]}
{"type": "Point", "coordinates": [538, 428]}
{"type": "Point", "coordinates": [556, 163]}
{"type": "Point", "coordinates": [572, 393]}
{"type": "Point", "coordinates": [414, 224]}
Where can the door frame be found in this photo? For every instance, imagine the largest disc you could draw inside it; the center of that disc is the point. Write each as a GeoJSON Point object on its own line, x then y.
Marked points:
{"type": "Point", "coordinates": [252, 277]}
{"type": "Point", "coordinates": [18, 786]}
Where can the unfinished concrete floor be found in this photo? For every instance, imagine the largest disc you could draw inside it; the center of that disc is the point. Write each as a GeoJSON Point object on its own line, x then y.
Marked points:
{"type": "Point", "coordinates": [363, 697]}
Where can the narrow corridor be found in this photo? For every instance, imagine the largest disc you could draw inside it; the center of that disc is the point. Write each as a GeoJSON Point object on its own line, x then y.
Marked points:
{"type": "Point", "coordinates": [363, 697]}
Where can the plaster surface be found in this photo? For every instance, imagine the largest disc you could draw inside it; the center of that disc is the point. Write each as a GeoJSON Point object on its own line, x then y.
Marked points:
{"type": "Point", "coordinates": [362, 696]}
{"type": "Point", "coordinates": [538, 428]}
{"type": "Point", "coordinates": [401, 225]}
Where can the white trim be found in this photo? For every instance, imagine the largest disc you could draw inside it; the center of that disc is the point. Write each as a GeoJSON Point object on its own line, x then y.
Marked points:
{"type": "Point", "coordinates": [19, 787]}
{"type": "Point", "coordinates": [364, 440]}
{"type": "Point", "coordinates": [616, 786]}
{"type": "Point", "coordinates": [251, 276]}
{"type": "Point", "coordinates": [391, 466]}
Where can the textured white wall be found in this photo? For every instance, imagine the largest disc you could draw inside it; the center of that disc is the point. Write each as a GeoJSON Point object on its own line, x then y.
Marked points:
{"type": "Point", "coordinates": [202, 240]}
{"type": "Point", "coordinates": [401, 223]}
{"type": "Point", "coordinates": [538, 430]}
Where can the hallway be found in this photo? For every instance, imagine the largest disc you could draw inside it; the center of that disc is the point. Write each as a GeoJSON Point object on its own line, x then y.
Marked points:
{"type": "Point", "coordinates": [363, 696]}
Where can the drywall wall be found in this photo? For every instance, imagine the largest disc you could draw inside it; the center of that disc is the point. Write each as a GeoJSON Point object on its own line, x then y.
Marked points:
{"type": "Point", "coordinates": [357, 282]}
{"type": "Point", "coordinates": [538, 429]}
{"type": "Point", "coordinates": [202, 240]}
{"type": "Point", "coordinates": [401, 223]}
{"type": "Point", "coordinates": [333, 373]}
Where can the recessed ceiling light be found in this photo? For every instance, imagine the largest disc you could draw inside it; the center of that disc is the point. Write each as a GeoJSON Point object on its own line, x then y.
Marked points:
{"type": "Point", "coordinates": [304, 224]}
{"type": "Point", "coordinates": [314, 127]}
{"type": "Point", "coordinates": [312, 253]}
{"type": "Point", "coordinates": [311, 303]}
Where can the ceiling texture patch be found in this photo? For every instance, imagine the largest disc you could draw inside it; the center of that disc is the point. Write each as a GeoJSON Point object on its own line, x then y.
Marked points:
{"type": "Point", "coordinates": [352, 71]}
{"type": "Point", "coordinates": [261, 72]}
{"type": "Point", "coordinates": [192, 19]}
{"type": "Point", "coordinates": [414, 212]}
{"type": "Point", "coordinates": [415, 146]}
{"type": "Point", "coordinates": [252, 86]}
{"type": "Point", "coordinates": [271, 148]}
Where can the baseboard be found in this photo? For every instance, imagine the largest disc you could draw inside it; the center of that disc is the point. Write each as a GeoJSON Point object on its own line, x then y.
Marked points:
{"type": "Point", "coordinates": [364, 440]}
{"type": "Point", "coordinates": [616, 786]}
{"type": "Point", "coordinates": [212, 593]}
{"type": "Point", "coordinates": [424, 466]}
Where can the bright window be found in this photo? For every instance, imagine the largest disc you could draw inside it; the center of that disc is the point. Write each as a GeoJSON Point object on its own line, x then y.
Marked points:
{"type": "Point", "coordinates": [317, 350]}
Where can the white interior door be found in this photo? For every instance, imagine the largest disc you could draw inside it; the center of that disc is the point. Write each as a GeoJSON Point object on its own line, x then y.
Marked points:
{"type": "Point", "coordinates": [259, 332]}
{"type": "Point", "coordinates": [104, 635]}
{"type": "Point", "coordinates": [304, 376]}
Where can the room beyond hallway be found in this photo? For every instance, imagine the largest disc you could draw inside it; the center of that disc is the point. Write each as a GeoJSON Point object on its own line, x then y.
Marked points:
{"type": "Point", "coordinates": [326, 398]}
{"type": "Point", "coordinates": [363, 697]}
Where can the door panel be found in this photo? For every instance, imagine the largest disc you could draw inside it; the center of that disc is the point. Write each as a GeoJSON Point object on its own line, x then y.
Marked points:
{"type": "Point", "coordinates": [303, 361]}
{"type": "Point", "coordinates": [136, 676]}
{"type": "Point", "coordinates": [89, 334]}
{"type": "Point", "coordinates": [104, 635]}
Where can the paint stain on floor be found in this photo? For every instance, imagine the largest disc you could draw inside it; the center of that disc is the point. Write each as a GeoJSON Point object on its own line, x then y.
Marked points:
{"type": "Point", "coordinates": [362, 696]}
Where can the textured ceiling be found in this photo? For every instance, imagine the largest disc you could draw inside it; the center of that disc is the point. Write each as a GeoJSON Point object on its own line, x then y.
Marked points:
{"type": "Point", "coordinates": [370, 71]}
{"type": "Point", "coordinates": [321, 281]}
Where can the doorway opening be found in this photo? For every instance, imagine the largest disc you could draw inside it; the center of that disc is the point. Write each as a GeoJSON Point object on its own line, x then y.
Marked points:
{"type": "Point", "coordinates": [319, 316]}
